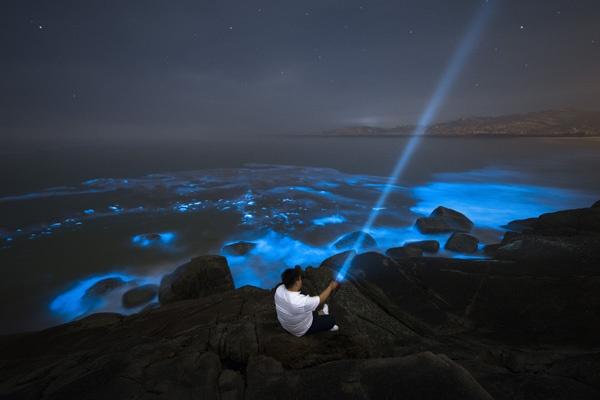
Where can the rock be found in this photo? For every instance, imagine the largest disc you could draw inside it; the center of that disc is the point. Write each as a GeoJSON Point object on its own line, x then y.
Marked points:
{"type": "Point", "coordinates": [336, 261]}
{"type": "Point", "coordinates": [350, 239]}
{"type": "Point", "coordinates": [405, 251]}
{"type": "Point", "coordinates": [202, 276]}
{"type": "Point", "coordinates": [444, 219]}
{"type": "Point", "coordinates": [231, 385]}
{"type": "Point", "coordinates": [490, 249]}
{"type": "Point", "coordinates": [462, 243]}
{"type": "Point", "coordinates": [103, 286]}
{"type": "Point", "coordinates": [569, 222]}
{"type": "Point", "coordinates": [520, 225]}
{"type": "Point", "coordinates": [140, 295]}
{"type": "Point", "coordinates": [428, 246]}
{"type": "Point", "coordinates": [596, 204]}
{"type": "Point", "coordinates": [418, 376]}
{"type": "Point", "coordinates": [421, 327]}
{"type": "Point", "coordinates": [238, 248]}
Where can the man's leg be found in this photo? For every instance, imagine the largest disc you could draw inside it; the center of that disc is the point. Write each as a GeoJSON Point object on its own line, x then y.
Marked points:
{"type": "Point", "coordinates": [320, 323]}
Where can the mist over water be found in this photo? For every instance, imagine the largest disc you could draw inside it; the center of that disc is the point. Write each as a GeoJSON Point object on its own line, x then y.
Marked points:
{"type": "Point", "coordinates": [71, 216]}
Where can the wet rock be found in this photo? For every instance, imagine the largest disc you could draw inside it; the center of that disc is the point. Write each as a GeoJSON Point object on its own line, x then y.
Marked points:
{"type": "Point", "coordinates": [103, 286]}
{"type": "Point", "coordinates": [428, 246]}
{"type": "Point", "coordinates": [202, 276]}
{"type": "Point", "coordinates": [140, 295]}
{"type": "Point", "coordinates": [403, 252]}
{"type": "Point", "coordinates": [350, 239]}
{"type": "Point", "coordinates": [238, 248]}
{"type": "Point", "coordinates": [462, 243]}
{"type": "Point", "coordinates": [444, 219]}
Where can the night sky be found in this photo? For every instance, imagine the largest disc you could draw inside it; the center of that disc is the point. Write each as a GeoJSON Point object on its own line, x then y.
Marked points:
{"type": "Point", "coordinates": [199, 69]}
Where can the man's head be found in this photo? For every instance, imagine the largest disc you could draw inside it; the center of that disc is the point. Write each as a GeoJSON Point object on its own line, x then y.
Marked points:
{"type": "Point", "coordinates": [292, 278]}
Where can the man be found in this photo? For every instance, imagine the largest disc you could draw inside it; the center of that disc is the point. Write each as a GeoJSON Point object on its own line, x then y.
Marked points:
{"type": "Point", "coordinates": [296, 312]}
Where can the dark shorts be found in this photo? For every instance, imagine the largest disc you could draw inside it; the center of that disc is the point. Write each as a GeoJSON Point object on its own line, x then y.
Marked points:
{"type": "Point", "coordinates": [320, 323]}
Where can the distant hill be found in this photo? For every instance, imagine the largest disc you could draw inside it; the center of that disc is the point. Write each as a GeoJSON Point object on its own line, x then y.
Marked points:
{"type": "Point", "coordinates": [552, 123]}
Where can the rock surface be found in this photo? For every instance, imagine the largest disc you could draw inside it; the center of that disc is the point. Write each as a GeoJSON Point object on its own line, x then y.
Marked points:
{"type": "Point", "coordinates": [443, 220]}
{"type": "Point", "coordinates": [201, 276]}
{"type": "Point", "coordinates": [462, 242]}
{"type": "Point", "coordinates": [428, 246]}
{"type": "Point", "coordinates": [238, 248]}
{"type": "Point", "coordinates": [405, 251]}
{"type": "Point", "coordinates": [348, 241]}
{"type": "Point", "coordinates": [420, 327]}
{"type": "Point", "coordinates": [140, 295]}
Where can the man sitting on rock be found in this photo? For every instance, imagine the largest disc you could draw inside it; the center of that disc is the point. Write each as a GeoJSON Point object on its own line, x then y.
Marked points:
{"type": "Point", "coordinates": [297, 312]}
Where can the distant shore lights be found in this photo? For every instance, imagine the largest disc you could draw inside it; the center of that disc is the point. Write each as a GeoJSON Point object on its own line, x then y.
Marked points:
{"type": "Point", "coordinates": [448, 78]}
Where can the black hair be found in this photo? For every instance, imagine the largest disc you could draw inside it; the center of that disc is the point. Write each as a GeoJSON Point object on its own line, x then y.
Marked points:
{"type": "Point", "coordinates": [290, 276]}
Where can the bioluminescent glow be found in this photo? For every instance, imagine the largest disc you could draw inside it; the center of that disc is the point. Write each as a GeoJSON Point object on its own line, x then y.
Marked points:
{"type": "Point", "coordinates": [492, 204]}
{"type": "Point", "coordinates": [448, 78]}
{"type": "Point", "coordinates": [331, 219]}
{"type": "Point", "coordinates": [72, 304]}
{"type": "Point", "coordinates": [160, 239]}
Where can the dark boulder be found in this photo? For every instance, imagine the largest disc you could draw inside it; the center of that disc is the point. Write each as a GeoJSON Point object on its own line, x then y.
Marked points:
{"type": "Point", "coordinates": [428, 246]}
{"type": "Point", "coordinates": [349, 240]}
{"type": "Point", "coordinates": [403, 252]}
{"type": "Point", "coordinates": [140, 295]}
{"type": "Point", "coordinates": [462, 243]}
{"type": "Point", "coordinates": [202, 276]}
{"type": "Point", "coordinates": [238, 248]}
{"type": "Point", "coordinates": [103, 286]}
{"type": "Point", "coordinates": [444, 219]}
{"type": "Point", "coordinates": [596, 204]}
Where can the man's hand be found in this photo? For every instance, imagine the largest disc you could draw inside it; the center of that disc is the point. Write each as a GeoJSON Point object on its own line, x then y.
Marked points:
{"type": "Point", "coordinates": [327, 292]}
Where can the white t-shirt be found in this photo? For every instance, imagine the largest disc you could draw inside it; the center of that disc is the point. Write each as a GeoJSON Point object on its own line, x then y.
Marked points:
{"type": "Point", "coordinates": [294, 310]}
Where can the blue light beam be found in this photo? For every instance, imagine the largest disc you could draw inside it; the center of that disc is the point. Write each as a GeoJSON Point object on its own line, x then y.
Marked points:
{"type": "Point", "coordinates": [448, 78]}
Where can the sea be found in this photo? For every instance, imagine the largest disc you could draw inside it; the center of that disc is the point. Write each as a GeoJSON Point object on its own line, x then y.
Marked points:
{"type": "Point", "coordinates": [72, 214]}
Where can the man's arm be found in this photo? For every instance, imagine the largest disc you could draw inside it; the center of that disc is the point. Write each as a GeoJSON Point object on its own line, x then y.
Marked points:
{"type": "Point", "coordinates": [327, 292]}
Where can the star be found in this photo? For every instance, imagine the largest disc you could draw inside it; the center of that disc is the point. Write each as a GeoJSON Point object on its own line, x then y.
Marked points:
{"type": "Point", "coordinates": [522, 27]}
{"type": "Point", "coordinates": [40, 27]}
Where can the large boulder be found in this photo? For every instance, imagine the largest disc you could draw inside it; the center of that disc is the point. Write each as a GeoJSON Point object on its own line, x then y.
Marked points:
{"type": "Point", "coordinates": [462, 243]}
{"type": "Point", "coordinates": [349, 240]}
{"type": "Point", "coordinates": [140, 295]}
{"type": "Point", "coordinates": [102, 287]}
{"type": "Point", "coordinates": [202, 276]}
{"type": "Point", "coordinates": [596, 204]}
{"type": "Point", "coordinates": [238, 248]}
{"type": "Point", "coordinates": [444, 219]}
{"type": "Point", "coordinates": [428, 246]}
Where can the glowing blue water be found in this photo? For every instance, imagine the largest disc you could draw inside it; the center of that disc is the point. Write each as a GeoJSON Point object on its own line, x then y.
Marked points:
{"type": "Point", "coordinates": [293, 214]}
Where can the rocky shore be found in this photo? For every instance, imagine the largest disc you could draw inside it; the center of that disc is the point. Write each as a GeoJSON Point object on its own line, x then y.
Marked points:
{"type": "Point", "coordinates": [521, 324]}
